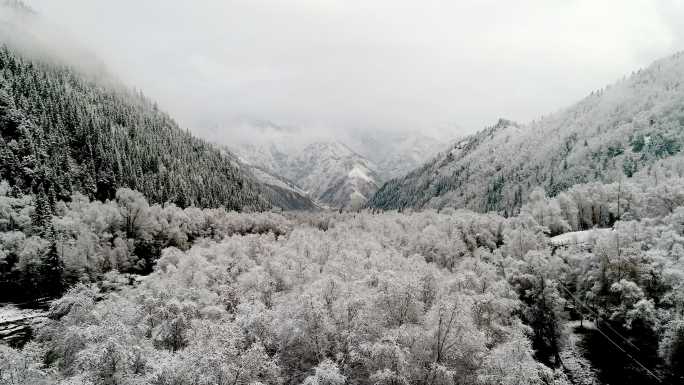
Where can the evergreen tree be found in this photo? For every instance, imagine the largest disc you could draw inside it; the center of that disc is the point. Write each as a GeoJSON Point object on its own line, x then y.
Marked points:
{"type": "Point", "coordinates": [42, 214]}
{"type": "Point", "coordinates": [52, 270]}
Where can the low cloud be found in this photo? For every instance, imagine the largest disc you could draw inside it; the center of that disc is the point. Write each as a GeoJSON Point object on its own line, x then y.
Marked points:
{"type": "Point", "coordinates": [331, 67]}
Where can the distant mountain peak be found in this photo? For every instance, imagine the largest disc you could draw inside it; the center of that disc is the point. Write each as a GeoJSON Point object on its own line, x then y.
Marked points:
{"type": "Point", "coordinates": [329, 171]}
{"type": "Point", "coordinates": [502, 122]}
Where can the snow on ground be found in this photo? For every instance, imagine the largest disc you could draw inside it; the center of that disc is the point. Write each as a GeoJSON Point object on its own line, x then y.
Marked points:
{"type": "Point", "coordinates": [578, 368]}
{"type": "Point", "coordinates": [578, 237]}
{"type": "Point", "coordinates": [268, 178]}
{"type": "Point", "coordinates": [16, 323]}
{"type": "Point", "coordinates": [361, 172]}
{"type": "Point", "coordinates": [10, 313]}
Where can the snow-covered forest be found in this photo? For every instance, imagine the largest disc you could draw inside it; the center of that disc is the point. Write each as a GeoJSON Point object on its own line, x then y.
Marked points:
{"type": "Point", "coordinates": [65, 132]}
{"type": "Point", "coordinates": [450, 297]}
{"type": "Point", "coordinates": [135, 253]}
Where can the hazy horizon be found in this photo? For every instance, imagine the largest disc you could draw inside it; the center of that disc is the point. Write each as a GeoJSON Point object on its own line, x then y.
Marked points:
{"type": "Point", "coordinates": [334, 68]}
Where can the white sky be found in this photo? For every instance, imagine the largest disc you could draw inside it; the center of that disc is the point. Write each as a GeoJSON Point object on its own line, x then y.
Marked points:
{"type": "Point", "coordinates": [341, 65]}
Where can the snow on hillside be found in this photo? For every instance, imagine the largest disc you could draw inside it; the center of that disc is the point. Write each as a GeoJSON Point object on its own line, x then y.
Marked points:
{"type": "Point", "coordinates": [396, 154]}
{"type": "Point", "coordinates": [273, 180]}
{"type": "Point", "coordinates": [331, 172]}
{"type": "Point", "coordinates": [327, 171]}
{"type": "Point", "coordinates": [334, 169]}
{"type": "Point", "coordinates": [622, 129]}
{"type": "Point", "coordinates": [361, 172]}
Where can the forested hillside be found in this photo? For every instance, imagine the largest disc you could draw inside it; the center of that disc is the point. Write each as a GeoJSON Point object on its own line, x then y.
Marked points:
{"type": "Point", "coordinates": [61, 132]}
{"type": "Point", "coordinates": [619, 130]}
{"type": "Point", "coordinates": [281, 192]}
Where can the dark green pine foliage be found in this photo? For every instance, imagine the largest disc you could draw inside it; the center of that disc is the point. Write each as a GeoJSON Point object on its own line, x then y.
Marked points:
{"type": "Point", "coordinates": [41, 218]}
{"type": "Point", "coordinates": [62, 132]}
{"type": "Point", "coordinates": [51, 270]}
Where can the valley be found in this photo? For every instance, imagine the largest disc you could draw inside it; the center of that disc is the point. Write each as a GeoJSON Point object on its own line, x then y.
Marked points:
{"type": "Point", "coordinates": [134, 251]}
{"type": "Point", "coordinates": [330, 172]}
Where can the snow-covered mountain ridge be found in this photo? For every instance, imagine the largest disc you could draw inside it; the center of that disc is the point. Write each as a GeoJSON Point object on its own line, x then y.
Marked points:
{"type": "Point", "coordinates": [329, 172]}
{"type": "Point", "coordinates": [620, 130]}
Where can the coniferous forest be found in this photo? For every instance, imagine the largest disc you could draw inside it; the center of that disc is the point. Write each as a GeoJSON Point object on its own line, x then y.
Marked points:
{"type": "Point", "coordinates": [132, 252]}
{"type": "Point", "coordinates": [63, 133]}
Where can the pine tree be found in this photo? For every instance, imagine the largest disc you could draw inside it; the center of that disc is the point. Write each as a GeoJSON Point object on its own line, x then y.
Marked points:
{"type": "Point", "coordinates": [52, 270]}
{"type": "Point", "coordinates": [41, 219]}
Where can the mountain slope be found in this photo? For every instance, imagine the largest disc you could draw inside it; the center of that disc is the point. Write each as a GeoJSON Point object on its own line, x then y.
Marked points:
{"type": "Point", "coordinates": [61, 132]}
{"type": "Point", "coordinates": [619, 130]}
{"type": "Point", "coordinates": [281, 192]}
{"type": "Point", "coordinates": [329, 172]}
{"type": "Point", "coordinates": [334, 174]}
{"type": "Point", "coordinates": [396, 154]}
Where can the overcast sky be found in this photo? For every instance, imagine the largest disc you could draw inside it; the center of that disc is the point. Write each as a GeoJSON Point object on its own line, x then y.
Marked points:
{"type": "Point", "coordinates": [342, 65]}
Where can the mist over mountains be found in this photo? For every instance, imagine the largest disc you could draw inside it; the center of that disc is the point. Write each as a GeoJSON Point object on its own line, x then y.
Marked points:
{"type": "Point", "coordinates": [337, 172]}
